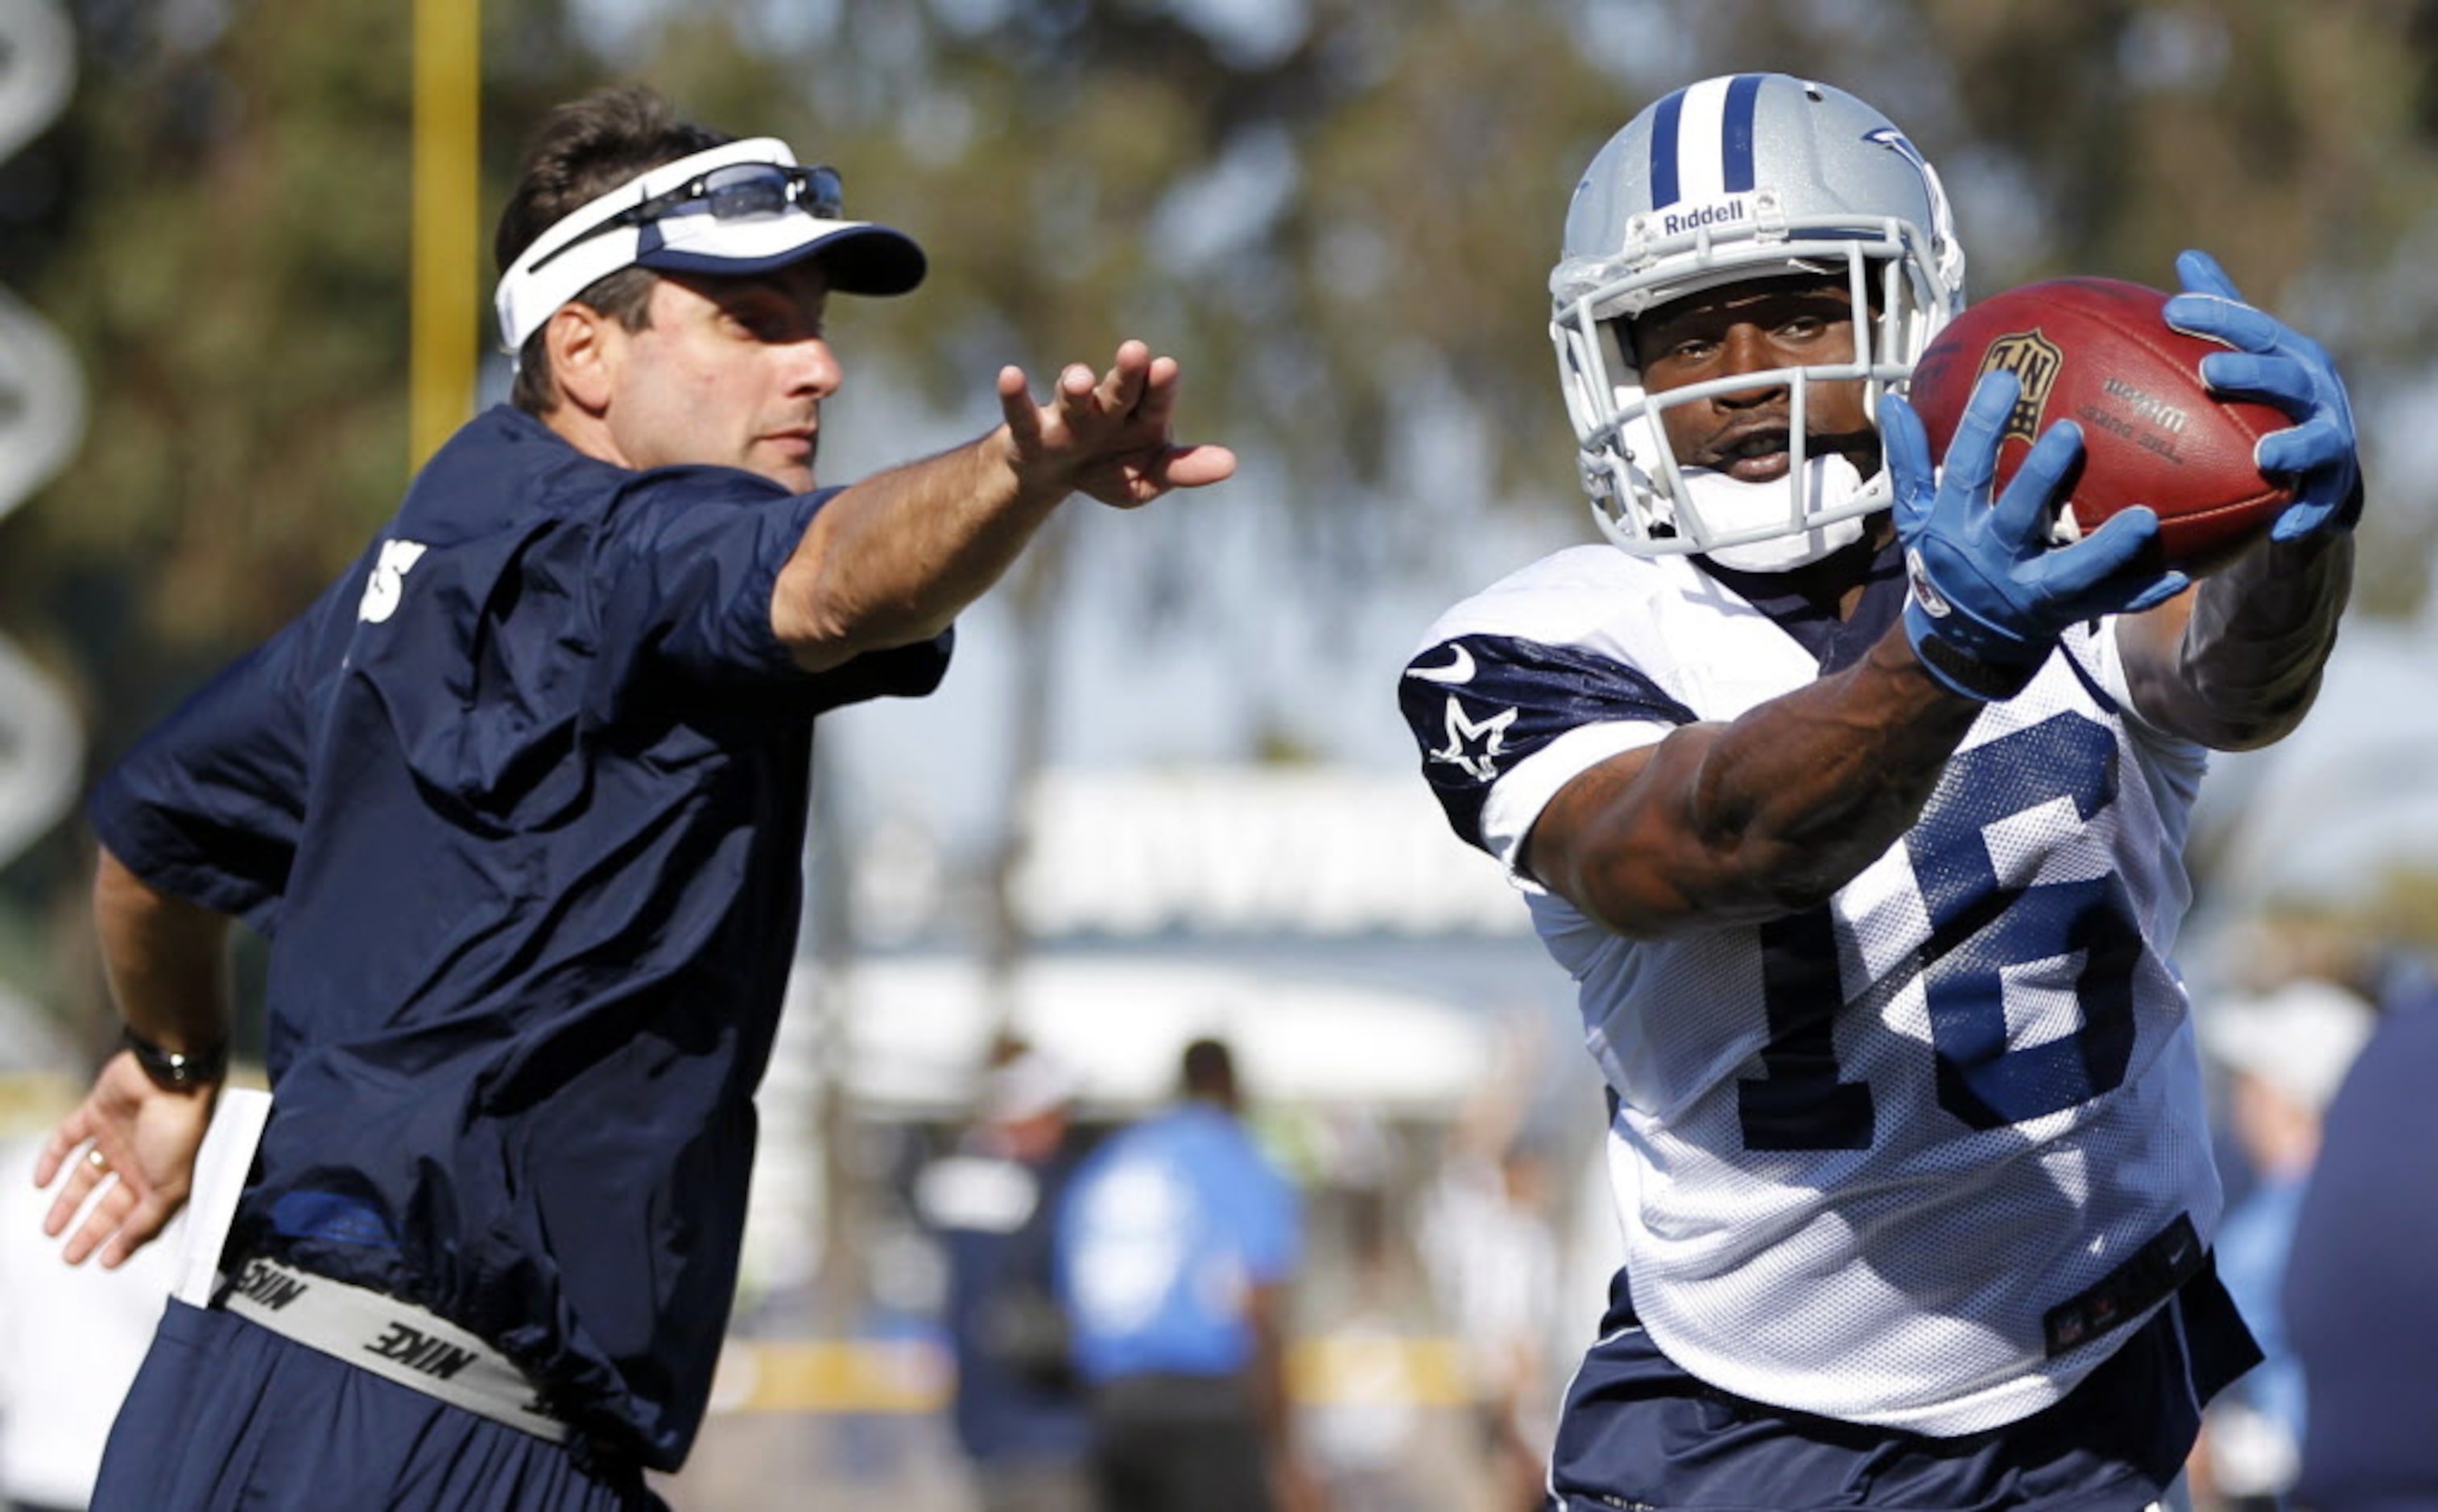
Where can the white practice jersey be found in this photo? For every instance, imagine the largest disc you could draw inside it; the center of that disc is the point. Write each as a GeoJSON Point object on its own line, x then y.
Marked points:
{"type": "Point", "coordinates": [1918, 1157]}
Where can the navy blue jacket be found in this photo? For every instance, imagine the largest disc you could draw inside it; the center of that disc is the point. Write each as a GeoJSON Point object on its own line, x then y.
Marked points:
{"type": "Point", "coordinates": [520, 804]}
{"type": "Point", "coordinates": [2361, 1312]}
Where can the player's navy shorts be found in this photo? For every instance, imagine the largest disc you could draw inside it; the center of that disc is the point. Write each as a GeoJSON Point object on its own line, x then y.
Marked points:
{"type": "Point", "coordinates": [225, 1414]}
{"type": "Point", "coordinates": [1639, 1433]}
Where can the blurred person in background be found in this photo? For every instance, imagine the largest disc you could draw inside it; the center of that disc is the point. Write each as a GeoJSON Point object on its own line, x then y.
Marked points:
{"type": "Point", "coordinates": [1019, 1406]}
{"type": "Point", "coordinates": [1176, 1247]}
{"type": "Point", "coordinates": [1493, 1238]}
{"type": "Point", "coordinates": [1365, 1432]}
{"type": "Point", "coordinates": [1854, 804]}
{"type": "Point", "coordinates": [1490, 1241]}
{"type": "Point", "coordinates": [2284, 1052]}
{"type": "Point", "coordinates": [2362, 1282]}
{"type": "Point", "coordinates": [519, 804]}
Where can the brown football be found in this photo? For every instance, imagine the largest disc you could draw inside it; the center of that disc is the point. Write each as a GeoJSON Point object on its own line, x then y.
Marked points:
{"type": "Point", "coordinates": [2096, 351]}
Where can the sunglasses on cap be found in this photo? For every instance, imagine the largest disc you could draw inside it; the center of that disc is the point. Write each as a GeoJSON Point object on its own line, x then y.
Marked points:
{"type": "Point", "coordinates": [738, 192]}
{"type": "Point", "coordinates": [737, 209]}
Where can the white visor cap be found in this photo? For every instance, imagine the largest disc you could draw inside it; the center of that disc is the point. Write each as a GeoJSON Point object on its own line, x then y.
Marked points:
{"type": "Point", "coordinates": [565, 261]}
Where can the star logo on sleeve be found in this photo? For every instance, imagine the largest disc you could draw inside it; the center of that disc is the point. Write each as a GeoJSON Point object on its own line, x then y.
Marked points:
{"type": "Point", "coordinates": [1475, 746]}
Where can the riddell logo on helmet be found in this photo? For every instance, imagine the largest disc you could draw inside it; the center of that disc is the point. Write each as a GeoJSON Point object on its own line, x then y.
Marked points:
{"type": "Point", "coordinates": [1723, 212]}
{"type": "Point", "coordinates": [2035, 361]}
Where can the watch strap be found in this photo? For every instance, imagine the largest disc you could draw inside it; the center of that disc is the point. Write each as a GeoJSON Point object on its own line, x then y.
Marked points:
{"type": "Point", "coordinates": [176, 1070]}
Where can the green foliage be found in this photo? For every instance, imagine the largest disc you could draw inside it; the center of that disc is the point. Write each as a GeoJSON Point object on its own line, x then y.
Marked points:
{"type": "Point", "coordinates": [228, 258]}
{"type": "Point", "coordinates": [228, 248]}
{"type": "Point", "coordinates": [1339, 223]}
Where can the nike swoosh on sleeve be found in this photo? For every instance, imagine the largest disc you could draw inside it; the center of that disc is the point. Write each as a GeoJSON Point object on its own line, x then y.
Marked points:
{"type": "Point", "coordinates": [1458, 670]}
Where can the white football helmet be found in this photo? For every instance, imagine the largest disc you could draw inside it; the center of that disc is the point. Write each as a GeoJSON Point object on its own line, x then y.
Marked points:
{"type": "Point", "coordinates": [1740, 177]}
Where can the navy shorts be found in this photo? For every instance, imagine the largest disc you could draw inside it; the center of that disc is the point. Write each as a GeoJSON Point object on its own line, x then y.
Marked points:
{"type": "Point", "coordinates": [1638, 1434]}
{"type": "Point", "coordinates": [227, 1414]}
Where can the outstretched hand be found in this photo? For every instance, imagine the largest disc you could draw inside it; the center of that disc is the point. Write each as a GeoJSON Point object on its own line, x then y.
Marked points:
{"type": "Point", "coordinates": [1990, 594]}
{"type": "Point", "coordinates": [2274, 363]}
{"type": "Point", "coordinates": [134, 1145]}
{"type": "Point", "coordinates": [1106, 436]}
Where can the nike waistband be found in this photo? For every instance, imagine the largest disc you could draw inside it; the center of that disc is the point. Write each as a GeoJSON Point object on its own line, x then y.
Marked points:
{"type": "Point", "coordinates": [394, 1340]}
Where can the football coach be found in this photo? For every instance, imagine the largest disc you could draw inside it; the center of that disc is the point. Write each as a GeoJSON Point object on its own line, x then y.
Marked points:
{"type": "Point", "coordinates": [519, 804]}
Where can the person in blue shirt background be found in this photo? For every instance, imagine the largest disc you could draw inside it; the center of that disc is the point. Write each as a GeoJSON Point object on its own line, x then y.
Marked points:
{"type": "Point", "coordinates": [1177, 1246]}
{"type": "Point", "coordinates": [519, 804]}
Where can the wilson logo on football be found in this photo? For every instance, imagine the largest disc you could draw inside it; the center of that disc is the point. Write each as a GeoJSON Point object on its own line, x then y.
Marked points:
{"type": "Point", "coordinates": [2035, 361]}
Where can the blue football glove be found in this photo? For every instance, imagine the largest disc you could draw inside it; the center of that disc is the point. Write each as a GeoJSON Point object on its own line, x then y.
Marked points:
{"type": "Point", "coordinates": [1991, 595]}
{"type": "Point", "coordinates": [2276, 364]}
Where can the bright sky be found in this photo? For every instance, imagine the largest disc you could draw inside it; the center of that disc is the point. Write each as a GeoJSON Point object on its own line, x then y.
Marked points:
{"type": "Point", "coordinates": [1252, 643]}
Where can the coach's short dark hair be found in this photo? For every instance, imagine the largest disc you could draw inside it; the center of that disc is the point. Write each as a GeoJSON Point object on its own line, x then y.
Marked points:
{"type": "Point", "coordinates": [584, 149]}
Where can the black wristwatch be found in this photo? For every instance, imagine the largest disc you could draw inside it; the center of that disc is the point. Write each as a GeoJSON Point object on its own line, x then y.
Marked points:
{"type": "Point", "coordinates": [174, 1072]}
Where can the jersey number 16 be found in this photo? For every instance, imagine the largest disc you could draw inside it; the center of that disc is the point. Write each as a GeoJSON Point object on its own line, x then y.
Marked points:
{"type": "Point", "coordinates": [1979, 927]}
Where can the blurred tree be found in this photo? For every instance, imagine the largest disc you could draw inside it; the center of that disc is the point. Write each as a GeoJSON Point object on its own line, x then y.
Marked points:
{"type": "Point", "coordinates": [217, 225]}
{"type": "Point", "coordinates": [2295, 143]}
{"type": "Point", "coordinates": [1341, 213]}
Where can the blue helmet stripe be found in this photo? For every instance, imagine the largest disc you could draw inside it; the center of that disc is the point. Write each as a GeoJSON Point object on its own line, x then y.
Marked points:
{"type": "Point", "coordinates": [1736, 132]}
{"type": "Point", "coordinates": [1662, 150]}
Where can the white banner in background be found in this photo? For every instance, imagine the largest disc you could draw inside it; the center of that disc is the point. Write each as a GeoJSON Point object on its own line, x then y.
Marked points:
{"type": "Point", "coordinates": [42, 420]}
{"type": "Point", "coordinates": [42, 753]}
{"type": "Point", "coordinates": [37, 68]}
{"type": "Point", "coordinates": [42, 400]}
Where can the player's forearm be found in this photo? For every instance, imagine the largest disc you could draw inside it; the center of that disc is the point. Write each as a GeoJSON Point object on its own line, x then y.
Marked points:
{"type": "Point", "coordinates": [2247, 665]}
{"type": "Point", "coordinates": [166, 960]}
{"type": "Point", "coordinates": [1764, 816]}
{"type": "Point", "coordinates": [1799, 796]}
{"type": "Point", "coordinates": [893, 559]}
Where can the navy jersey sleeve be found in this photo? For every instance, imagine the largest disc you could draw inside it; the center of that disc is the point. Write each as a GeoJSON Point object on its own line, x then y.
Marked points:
{"type": "Point", "coordinates": [1478, 705]}
{"type": "Point", "coordinates": [694, 558]}
{"type": "Point", "coordinates": [209, 805]}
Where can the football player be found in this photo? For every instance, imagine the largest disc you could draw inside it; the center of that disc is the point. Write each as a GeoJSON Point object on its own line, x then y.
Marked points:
{"type": "Point", "coordinates": [1857, 811]}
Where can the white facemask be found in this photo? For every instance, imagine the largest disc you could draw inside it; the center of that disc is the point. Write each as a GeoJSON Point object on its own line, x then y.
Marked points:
{"type": "Point", "coordinates": [1729, 505]}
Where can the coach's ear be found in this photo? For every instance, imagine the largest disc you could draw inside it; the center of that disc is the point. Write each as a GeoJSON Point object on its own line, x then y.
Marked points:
{"type": "Point", "coordinates": [584, 347]}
